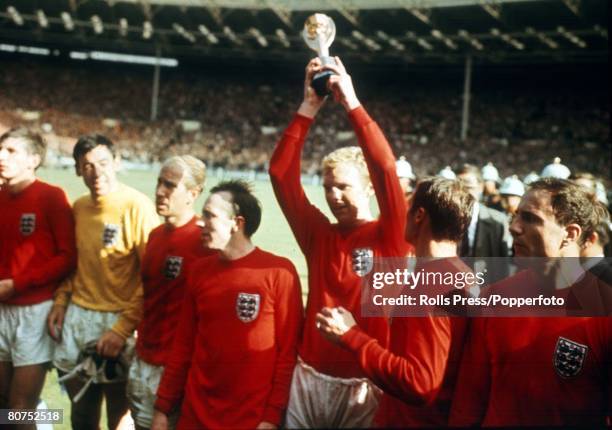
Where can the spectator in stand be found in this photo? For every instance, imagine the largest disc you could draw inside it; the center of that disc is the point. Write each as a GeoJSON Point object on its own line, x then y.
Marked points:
{"type": "Point", "coordinates": [511, 191]}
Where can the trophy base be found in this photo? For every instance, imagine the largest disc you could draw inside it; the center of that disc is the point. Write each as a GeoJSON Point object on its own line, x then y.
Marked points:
{"type": "Point", "coordinates": [319, 81]}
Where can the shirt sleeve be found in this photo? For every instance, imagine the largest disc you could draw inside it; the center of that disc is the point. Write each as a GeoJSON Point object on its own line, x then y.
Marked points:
{"type": "Point", "coordinates": [417, 372]}
{"type": "Point", "coordinates": [285, 175]}
{"type": "Point", "coordinates": [143, 220]}
{"type": "Point", "coordinates": [288, 317]}
{"type": "Point", "coordinates": [471, 396]}
{"type": "Point", "coordinates": [61, 225]}
{"type": "Point", "coordinates": [172, 384]}
{"type": "Point", "coordinates": [381, 165]}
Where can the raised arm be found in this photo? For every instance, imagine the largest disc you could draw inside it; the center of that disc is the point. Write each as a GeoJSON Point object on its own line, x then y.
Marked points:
{"type": "Point", "coordinates": [285, 165]}
{"type": "Point", "coordinates": [379, 158]}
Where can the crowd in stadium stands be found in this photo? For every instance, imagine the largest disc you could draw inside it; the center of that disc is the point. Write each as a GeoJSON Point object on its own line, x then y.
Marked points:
{"type": "Point", "coordinates": [241, 118]}
{"type": "Point", "coordinates": [222, 337]}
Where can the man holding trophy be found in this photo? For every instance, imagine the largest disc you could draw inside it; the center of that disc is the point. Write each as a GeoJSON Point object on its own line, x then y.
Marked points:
{"type": "Point", "coordinates": [329, 389]}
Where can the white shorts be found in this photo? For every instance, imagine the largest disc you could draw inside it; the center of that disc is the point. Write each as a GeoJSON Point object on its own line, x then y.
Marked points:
{"type": "Point", "coordinates": [317, 400]}
{"type": "Point", "coordinates": [24, 339]}
{"type": "Point", "coordinates": [80, 327]}
{"type": "Point", "coordinates": [143, 381]}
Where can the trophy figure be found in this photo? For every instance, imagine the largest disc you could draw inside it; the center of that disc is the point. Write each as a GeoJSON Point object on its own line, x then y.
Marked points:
{"type": "Point", "coordinates": [319, 32]}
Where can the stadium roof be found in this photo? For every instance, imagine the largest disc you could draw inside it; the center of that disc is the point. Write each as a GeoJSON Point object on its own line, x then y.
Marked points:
{"type": "Point", "coordinates": [386, 31]}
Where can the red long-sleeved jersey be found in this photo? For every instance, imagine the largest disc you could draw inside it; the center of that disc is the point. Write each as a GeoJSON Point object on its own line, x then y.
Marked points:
{"type": "Point", "coordinates": [331, 251]}
{"type": "Point", "coordinates": [419, 369]}
{"type": "Point", "coordinates": [167, 259]}
{"type": "Point", "coordinates": [535, 372]}
{"type": "Point", "coordinates": [37, 245]}
{"type": "Point", "coordinates": [236, 343]}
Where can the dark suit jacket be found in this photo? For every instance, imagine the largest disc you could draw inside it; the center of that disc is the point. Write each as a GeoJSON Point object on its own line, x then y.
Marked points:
{"type": "Point", "coordinates": [492, 240]}
{"type": "Point", "coordinates": [492, 234]}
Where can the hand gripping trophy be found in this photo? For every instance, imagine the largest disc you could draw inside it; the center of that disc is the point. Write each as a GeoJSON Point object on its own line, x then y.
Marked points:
{"type": "Point", "coordinates": [319, 32]}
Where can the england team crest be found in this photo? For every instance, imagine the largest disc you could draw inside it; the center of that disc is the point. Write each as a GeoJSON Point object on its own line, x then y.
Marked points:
{"type": "Point", "coordinates": [363, 260]}
{"type": "Point", "coordinates": [172, 266]}
{"type": "Point", "coordinates": [247, 306]}
{"type": "Point", "coordinates": [110, 235]}
{"type": "Point", "coordinates": [27, 224]}
{"type": "Point", "coordinates": [569, 357]}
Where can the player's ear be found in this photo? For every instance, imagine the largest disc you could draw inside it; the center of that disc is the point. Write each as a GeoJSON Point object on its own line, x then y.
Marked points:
{"type": "Point", "coordinates": [419, 215]}
{"type": "Point", "coordinates": [239, 224]}
{"type": "Point", "coordinates": [36, 161]}
{"type": "Point", "coordinates": [572, 233]}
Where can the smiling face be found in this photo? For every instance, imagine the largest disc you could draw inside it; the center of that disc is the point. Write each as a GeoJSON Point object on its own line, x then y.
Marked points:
{"type": "Point", "coordinates": [218, 221]}
{"type": "Point", "coordinates": [534, 228]}
{"type": "Point", "coordinates": [99, 171]}
{"type": "Point", "coordinates": [16, 161]}
{"type": "Point", "coordinates": [346, 193]}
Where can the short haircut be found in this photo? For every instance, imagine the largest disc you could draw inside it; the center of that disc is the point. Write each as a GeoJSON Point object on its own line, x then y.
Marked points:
{"type": "Point", "coordinates": [469, 169]}
{"type": "Point", "coordinates": [572, 204]}
{"type": "Point", "coordinates": [603, 228]}
{"type": "Point", "coordinates": [448, 205]}
{"type": "Point", "coordinates": [90, 141]}
{"type": "Point", "coordinates": [194, 170]}
{"type": "Point", "coordinates": [348, 155]}
{"type": "Point", "coordinates": [35, 144]}
{"type": "Point", "coordinates": [244, 203]}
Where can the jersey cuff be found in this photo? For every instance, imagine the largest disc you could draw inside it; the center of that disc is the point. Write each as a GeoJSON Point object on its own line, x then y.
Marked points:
{"type": "Point", "coordinates": [354, 339]}
{"type": "Point", "coordinates": [299, 125]}
{"type": "Point", "coordinates": [359, 117]}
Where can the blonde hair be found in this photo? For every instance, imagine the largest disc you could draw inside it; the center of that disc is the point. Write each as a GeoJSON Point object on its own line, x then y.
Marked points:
{"type": "Point", "coordinates": [348, 155]}
{"type": "Point", "coordinates": [194, 171]}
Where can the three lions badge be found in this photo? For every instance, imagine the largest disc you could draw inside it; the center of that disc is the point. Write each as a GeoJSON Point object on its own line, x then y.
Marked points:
{"type": "Point", "coordinates": [110, 235]}
{"type": "Point", "coordinates": [247, 306]}
{"type": "Point", "coordinates": [362, 260]}
{"type": "Point", "coordinates": [569, 357]}
{"type": "Point", "coordinates": [173, 266]}
{"type": "Point", "coordinates": [27, 224]}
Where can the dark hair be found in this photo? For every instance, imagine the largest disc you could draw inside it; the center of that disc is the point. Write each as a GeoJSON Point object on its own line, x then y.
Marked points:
{"type": "Point", "coordinates": [469, 169]}
{"type": "Point", "coordinates": [244, 202]}
{"type": "Point", "coordinates": [448, 205]}
{"type": "Point", "coordinates": [35, 144]}
{"type": "Point", "coordinates": [603, 228]}
{"type": "Point", "coordinates": [572, 204]}
{"type": "Point", "coordinates": [90, 141]}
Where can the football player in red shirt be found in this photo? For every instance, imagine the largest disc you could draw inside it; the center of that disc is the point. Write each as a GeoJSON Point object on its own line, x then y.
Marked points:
{"type": "Point", "coordinates": [542, 371]}
{"type": "Point", "coordinates": [171, 249]}
{"type": "Point", "coordinates": [37, 250]}
{"type": "Point", "coordinates": [236, 342]}
{"type": "Point", "coordinates": [418, 370]}
{"type": "Point", "coordinates": [329, 389]}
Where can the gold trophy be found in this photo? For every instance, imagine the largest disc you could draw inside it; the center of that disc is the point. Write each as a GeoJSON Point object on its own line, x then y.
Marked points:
{"type": "Point", "coordinates": [319, 33]}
